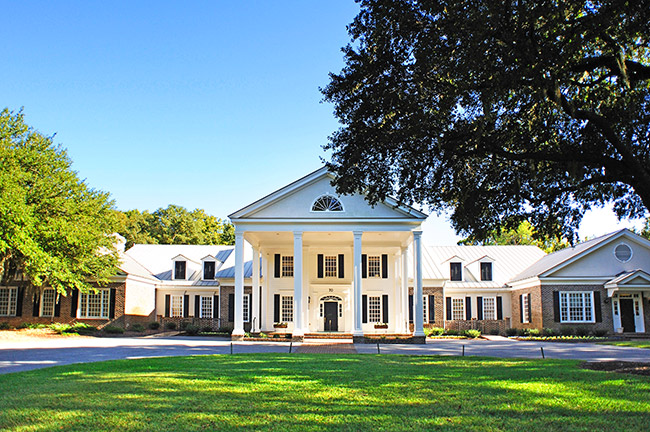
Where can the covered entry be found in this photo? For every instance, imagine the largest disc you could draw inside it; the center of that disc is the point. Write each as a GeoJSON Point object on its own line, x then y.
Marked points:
{"type": "Point", "coordinates": [627, 292]}
{"type": "Point", "coordinates": [331, 309]}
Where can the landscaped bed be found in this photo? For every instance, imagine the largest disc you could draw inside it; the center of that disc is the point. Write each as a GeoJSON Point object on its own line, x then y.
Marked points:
{"type": "Point", "coordinates": [324, 392]}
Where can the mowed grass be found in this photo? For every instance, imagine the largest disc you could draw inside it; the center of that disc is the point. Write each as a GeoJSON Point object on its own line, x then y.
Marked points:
{"type": "Point", "coordinates": [324, 392]}
{"type": "Point", "coordinates": [629, 343]}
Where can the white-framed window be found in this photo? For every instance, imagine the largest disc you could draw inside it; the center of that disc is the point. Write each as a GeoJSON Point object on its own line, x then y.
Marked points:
{"type": "Point", "coordinates": [425, 308]}
{"type": "Point", "coordinates": [95, 304]}
{"type": "Point", "coordinates": [286, 309]}
{"type": "Point", "coordinates": [287, 266]}
{"type": "Point", "coordinates": [247, 308]}
{"type": "Point", "coordinates": [8, 299]}
{"type": "Point", "coordinates": [206, 306]}
{"type": "Point", "coordinates": [374, 309]}
{"type": "Point", "coordinates": [457, 309]}
{"type": "Point", "coordinates": [576, 306]}
{"type": "Point", "coordinates": [486, 271]}
{"type": "Point", "coordinates": [180, 269]}
{"type": "Point", "coordinates": [209, 268]}
{"type": "Point", "coordinates": [327, 203]}
{"type": "Point", "coordinates": [525, 309]}
{"type": "Point", "coordinates": [374, 266]}
{"type": "Point", "coordinates": [489, 308]}
{"type": "Point", "coordinates": [48, 300]}
{"type": "Point", "coordinates": [177, 305]}
{"type": "Point", "coordinates": [331, 266]}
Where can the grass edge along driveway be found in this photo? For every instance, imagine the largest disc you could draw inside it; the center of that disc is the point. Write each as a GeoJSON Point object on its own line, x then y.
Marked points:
{"type": "Point", "coordinates": [323, 392]}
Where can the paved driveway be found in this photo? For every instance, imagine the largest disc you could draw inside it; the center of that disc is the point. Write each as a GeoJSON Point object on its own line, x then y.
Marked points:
{"type": "Point", "coordinates": [20, 356]}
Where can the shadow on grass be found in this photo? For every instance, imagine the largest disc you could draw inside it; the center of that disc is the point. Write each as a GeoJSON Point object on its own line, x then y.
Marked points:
{"type": "Point", "coordinates": [323, 392]}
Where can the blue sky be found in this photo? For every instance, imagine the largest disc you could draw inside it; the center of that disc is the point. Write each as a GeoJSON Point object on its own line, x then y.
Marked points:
{"type": "Point", "coordinates": [205, 104]}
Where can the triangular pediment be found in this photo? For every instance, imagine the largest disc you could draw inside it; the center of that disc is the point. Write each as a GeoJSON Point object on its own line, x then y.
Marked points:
{"type": "Point", "coordinates": [296, 201]}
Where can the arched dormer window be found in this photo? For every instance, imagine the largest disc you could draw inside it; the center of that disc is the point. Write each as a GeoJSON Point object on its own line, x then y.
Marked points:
{"type": "Point", "coordinates": [327, 203]}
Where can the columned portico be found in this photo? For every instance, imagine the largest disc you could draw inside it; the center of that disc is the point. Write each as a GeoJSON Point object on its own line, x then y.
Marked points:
{"type": "Point", "coordinates": [238, 330]}
{"type": "Point", "coordinates": [404, 292]}
{"type": "Point", "coordinates": [255, 300]}
{"type": "Point", "coordinates": [418, 318]}
{"type": "Point", "coordinates": [356, 284]}
{"type": "Point", "coordinates": [298, 326]}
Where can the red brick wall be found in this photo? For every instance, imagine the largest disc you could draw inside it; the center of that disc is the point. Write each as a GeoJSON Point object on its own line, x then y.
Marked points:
{"type": "Point", "coordinates": [536, 318]}
{"type": "Point", "coordinates": [605, 308]}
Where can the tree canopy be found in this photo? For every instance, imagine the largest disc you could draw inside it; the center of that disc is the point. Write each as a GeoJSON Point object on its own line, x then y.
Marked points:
{"type": "Point", "coordinates": [175, 225]}
{"type": "Point", "coordinates": [524, 234]}
{"type": "Point", "coordinates": [500, 110]}
{"type": "Point", "coordinates": [54, 229]}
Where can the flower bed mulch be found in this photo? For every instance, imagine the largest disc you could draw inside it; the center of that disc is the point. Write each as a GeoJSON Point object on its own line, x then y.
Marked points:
{"type": "Point", "coordinates": [636, 368]}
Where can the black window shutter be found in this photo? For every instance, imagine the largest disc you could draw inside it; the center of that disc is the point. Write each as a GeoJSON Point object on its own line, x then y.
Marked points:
{"type": "Point", "coordinates": [384, 307]}
{"type": "Point", "coordinates": [530, 315]}
{"type": "Point", "coordinates": [19, 301]}
{"type": "Point", "coordinates": [521, 308]}
{"type": "Point", "coordinates": [479, 308]}
{"type": "Point", "coordinates": [556, 306]}
{"type": "Point", "coordinates": [364, 266]}
{"type": "Point", "coordinates": [167, 305]}
{"type": "Point", "coordinates": [231, 307]}
{"type": "Point", "coordinates": [384, 266]}
{"type": "Point", "coordinates": [57, 305]}
{"type": "Point", "coordinates": [597, 311]}
{"type": "Point", "coordinates": [186, 306]}
{"type": "Point", "coordinates": [74, 302]}
{"type": "Point", "coordinates": [364, 308]}
{"type": "Point", "coordinates": [216, 308]}
{"type": "Point", "coordinates": [197, 306]}
{"type": "Point", "coordinates": [468, 308]}
{"type": "Point", "coordinates": [276, 263]}
{"type": "Point", "coordinates": [448, 301]}
{"type": "Point", "coordinates": [432, 309]}
{"type": "Point", "coordinates": [36, 304]}
{"type": "Point", "coordinates": [341, 266]}
{"type": "Point", "coordinates": [111, 305]}
{"type": "Point", "coordinates": [276, 308]}
{"type": "Point", "coordinates": [499, 308]}
{"type": "Point", "coordinates": [410, 308]}
{"type": "Point", "coordinates": [320, 266]}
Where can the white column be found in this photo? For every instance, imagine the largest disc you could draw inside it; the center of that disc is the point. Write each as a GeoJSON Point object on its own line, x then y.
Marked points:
{"type": "Point", "coordinates": [405, 290]}
{"type": "Point", "coordinates": [356, 297]}
{"type": "Point", "coordinates": [239, 284]}
{"type": "Point", "coordinates": [255, 292]}
{"type": "Point", "coordinates": [298, 325]}
{"type": "Point", "coordinates": [264, 290]}
{"type": "Point", "coordinates": [417, 282]}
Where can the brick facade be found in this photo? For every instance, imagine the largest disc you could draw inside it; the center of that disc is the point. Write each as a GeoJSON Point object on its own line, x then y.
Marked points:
{"type": "Point", "coordinates": [548, 312]}
{"type": "Point", "coordinates": [536, 305]}
{"type": "Point", "coordinates": [223, 306]}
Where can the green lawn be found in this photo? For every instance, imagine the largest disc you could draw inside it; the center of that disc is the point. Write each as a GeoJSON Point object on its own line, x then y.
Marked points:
{"type": "Point", "coordinates": [629, 343]}
{"type": "Point", "coordinates": [324, 392]}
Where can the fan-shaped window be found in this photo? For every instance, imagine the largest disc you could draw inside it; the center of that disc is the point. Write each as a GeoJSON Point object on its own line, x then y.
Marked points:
{"type": "Point", "coordinates": [623, 252]}
{"type": "Point", "coordinates": [327, 203]}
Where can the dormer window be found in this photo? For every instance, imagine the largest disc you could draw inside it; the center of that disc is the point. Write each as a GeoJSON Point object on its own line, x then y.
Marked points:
{"type": "Point", "coordinates": [327, 203]}
{"type": "Point", "coordinates": [179, 269]}
{"type": "Point", "coordinates": [486, 271]}
{"type": "Point", "coordinates": [208, 270]}
{"type": "Point", "coordinates": [456, 271]}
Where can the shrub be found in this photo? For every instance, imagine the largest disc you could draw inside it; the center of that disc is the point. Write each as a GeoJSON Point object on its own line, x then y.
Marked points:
{"type": "Point", "coordinates": [472, 333]}
{"type": "Point", "coordinates": [434, 331]}
{"type": "Point", "coordinates": [522, 332]}
{"type": "Point", "coordinates": [451, 332]}
{"type": "Point", "coordinates": [191, 329]}
{"type": "Point", "coordinates": [184, 325]}
{"type": "Point", "coordinates": [206, 329]}
{"type": "Point", "coordinates": [533, 332]}
{"type": "Point", "coordinates": [600, 333]}
{"type": "Point", "coordinates": [225, 330]}
{"type": "Point", "coordinates": [511, 331]}
{"type": "Point", "coordinates": [567, 331]}
{"type": "Point", "coordinates": [137, 328]}
{"type": "Point", "coordinates": [170, 325]}
{"type": "Point", "coordinates": [548, 332]}
{"type": "Point", "coordinates": [153, 325]}
{"type": "Point", "coordinates": [113, 330]}
{"type": "Point", "coordinates": [5, 326]}
{"type": "Point", "coordinates": [263, 335]}
{"type": "Point", "coordinates": [582, 331]}
{"type": "Point", "coordinates": [60, 328]}
{"type": "Point", "coordinates": [494, 332]}
{"type": "Point", "coordinates": [83, 328]}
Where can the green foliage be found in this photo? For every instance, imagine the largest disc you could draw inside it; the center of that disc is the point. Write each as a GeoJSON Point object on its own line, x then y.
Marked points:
{"type": "Point", "coordinates": [523, 234]}
{"type": "Point", "coordinates": [549, 332]}
{"type": "Point", "coordinates": [191, 329]}
{"type": "Point", "coordinates": [170, 325]}
{"type": "Point", "coordinates": [472, 333]}
{"type": "Point", "coordinates": [53, 227]}
{"type": "Point", "coordinates": [82, 328]}
{"type": "Point", "coordinates": [113, 330]}
{"type": "Point", "coordinates": [4, 325]}
{"type": "Point", "coordinates": [433, 331]}
{"type": "Point", "coordinates": [137, 328]}
{"type": "Point", "coordinates": [533, 332]}
{"type": "Point", "coordinates": [511, 332]}
{"type": "Point", "coordinates": [28, 325]}
{"type": "Point", "coordinates": [500, 111]}
{"type": "Point", "coordinates": [567, 331]}
{"type": "Point", "coordinates": [60, 328]}
{"type": "Point", "coordinates": [582, 331]}
{"type": "Point", "coordinates": [174, 225]}
{"type": "Point", "coordinates": [599, 332]}
{"type": "Point", "coordinates": [154, 325]}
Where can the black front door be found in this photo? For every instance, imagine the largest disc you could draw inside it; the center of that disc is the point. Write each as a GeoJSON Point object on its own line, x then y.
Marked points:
{"type": "Point", "coordinates": [627, 315]}
{"type": "Point", "coordinates": [331, 316]}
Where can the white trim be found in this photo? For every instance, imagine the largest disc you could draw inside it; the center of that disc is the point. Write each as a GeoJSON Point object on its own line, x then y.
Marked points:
{"type": "Point", "coordinates": [174, 261]}
{"type": "Point", "coordinates": [105, 304]}
{"type": "Point", "coordinates": [568, 320]}
{"type": "Point", "coordinates": [626, 245]}
{"type": "Point", "coordinates": [327, 194]}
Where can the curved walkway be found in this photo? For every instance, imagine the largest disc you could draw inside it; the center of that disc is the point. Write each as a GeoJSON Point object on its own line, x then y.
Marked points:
{"type": "Point", "coordinates": [20, 356]}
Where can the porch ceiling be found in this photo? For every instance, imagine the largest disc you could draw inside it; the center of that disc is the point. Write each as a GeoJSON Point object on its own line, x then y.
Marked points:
{"type": "Point", "coordinates": [370, 238]}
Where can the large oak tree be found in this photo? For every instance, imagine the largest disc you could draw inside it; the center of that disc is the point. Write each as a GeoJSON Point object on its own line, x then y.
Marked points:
{"type": "Point", "coordinates": [500, 110]}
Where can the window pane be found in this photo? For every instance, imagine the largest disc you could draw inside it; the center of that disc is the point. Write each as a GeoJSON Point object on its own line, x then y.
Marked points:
{"type": "Point", "coordinates": [177, 306]}
{"type": "Point", "coordinates": [246, 308]}
{"type": "Point", "coordinates": [457, 309]}
{"type": "Point", "coordinates": [179, 270]}
{"type": "Point", "coordinates": [425, 308]}
{"type": "Point", "coordinates": [331, 266]}
{"type": "Point", "coordinates": [95, 305]}
{"type": "Point", "coordinates": [455, 270]}
{"type": "Point", "coordinates": [208, 270]}
{"type": "Point", "coordinates": [524, 306]}
{"type": "Point", "coordinates": [486, 271]}
{"type": "Point", "coordinates": [374, 309]}
{"type": "Point", "coordinates": [8, 298]}
{"type": "Point", "coordinates": [489, 309]}
{"type": "Point", "coordinates": [206, 306]}
{"type": "Point", "coordinates": [287, 309]}
{"type": "Point", "coordinates": [48, 299]}
{"type": "Point", "coordinates": [374, 266]}
{"type": "Point", "coordinates": [287, 266]}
